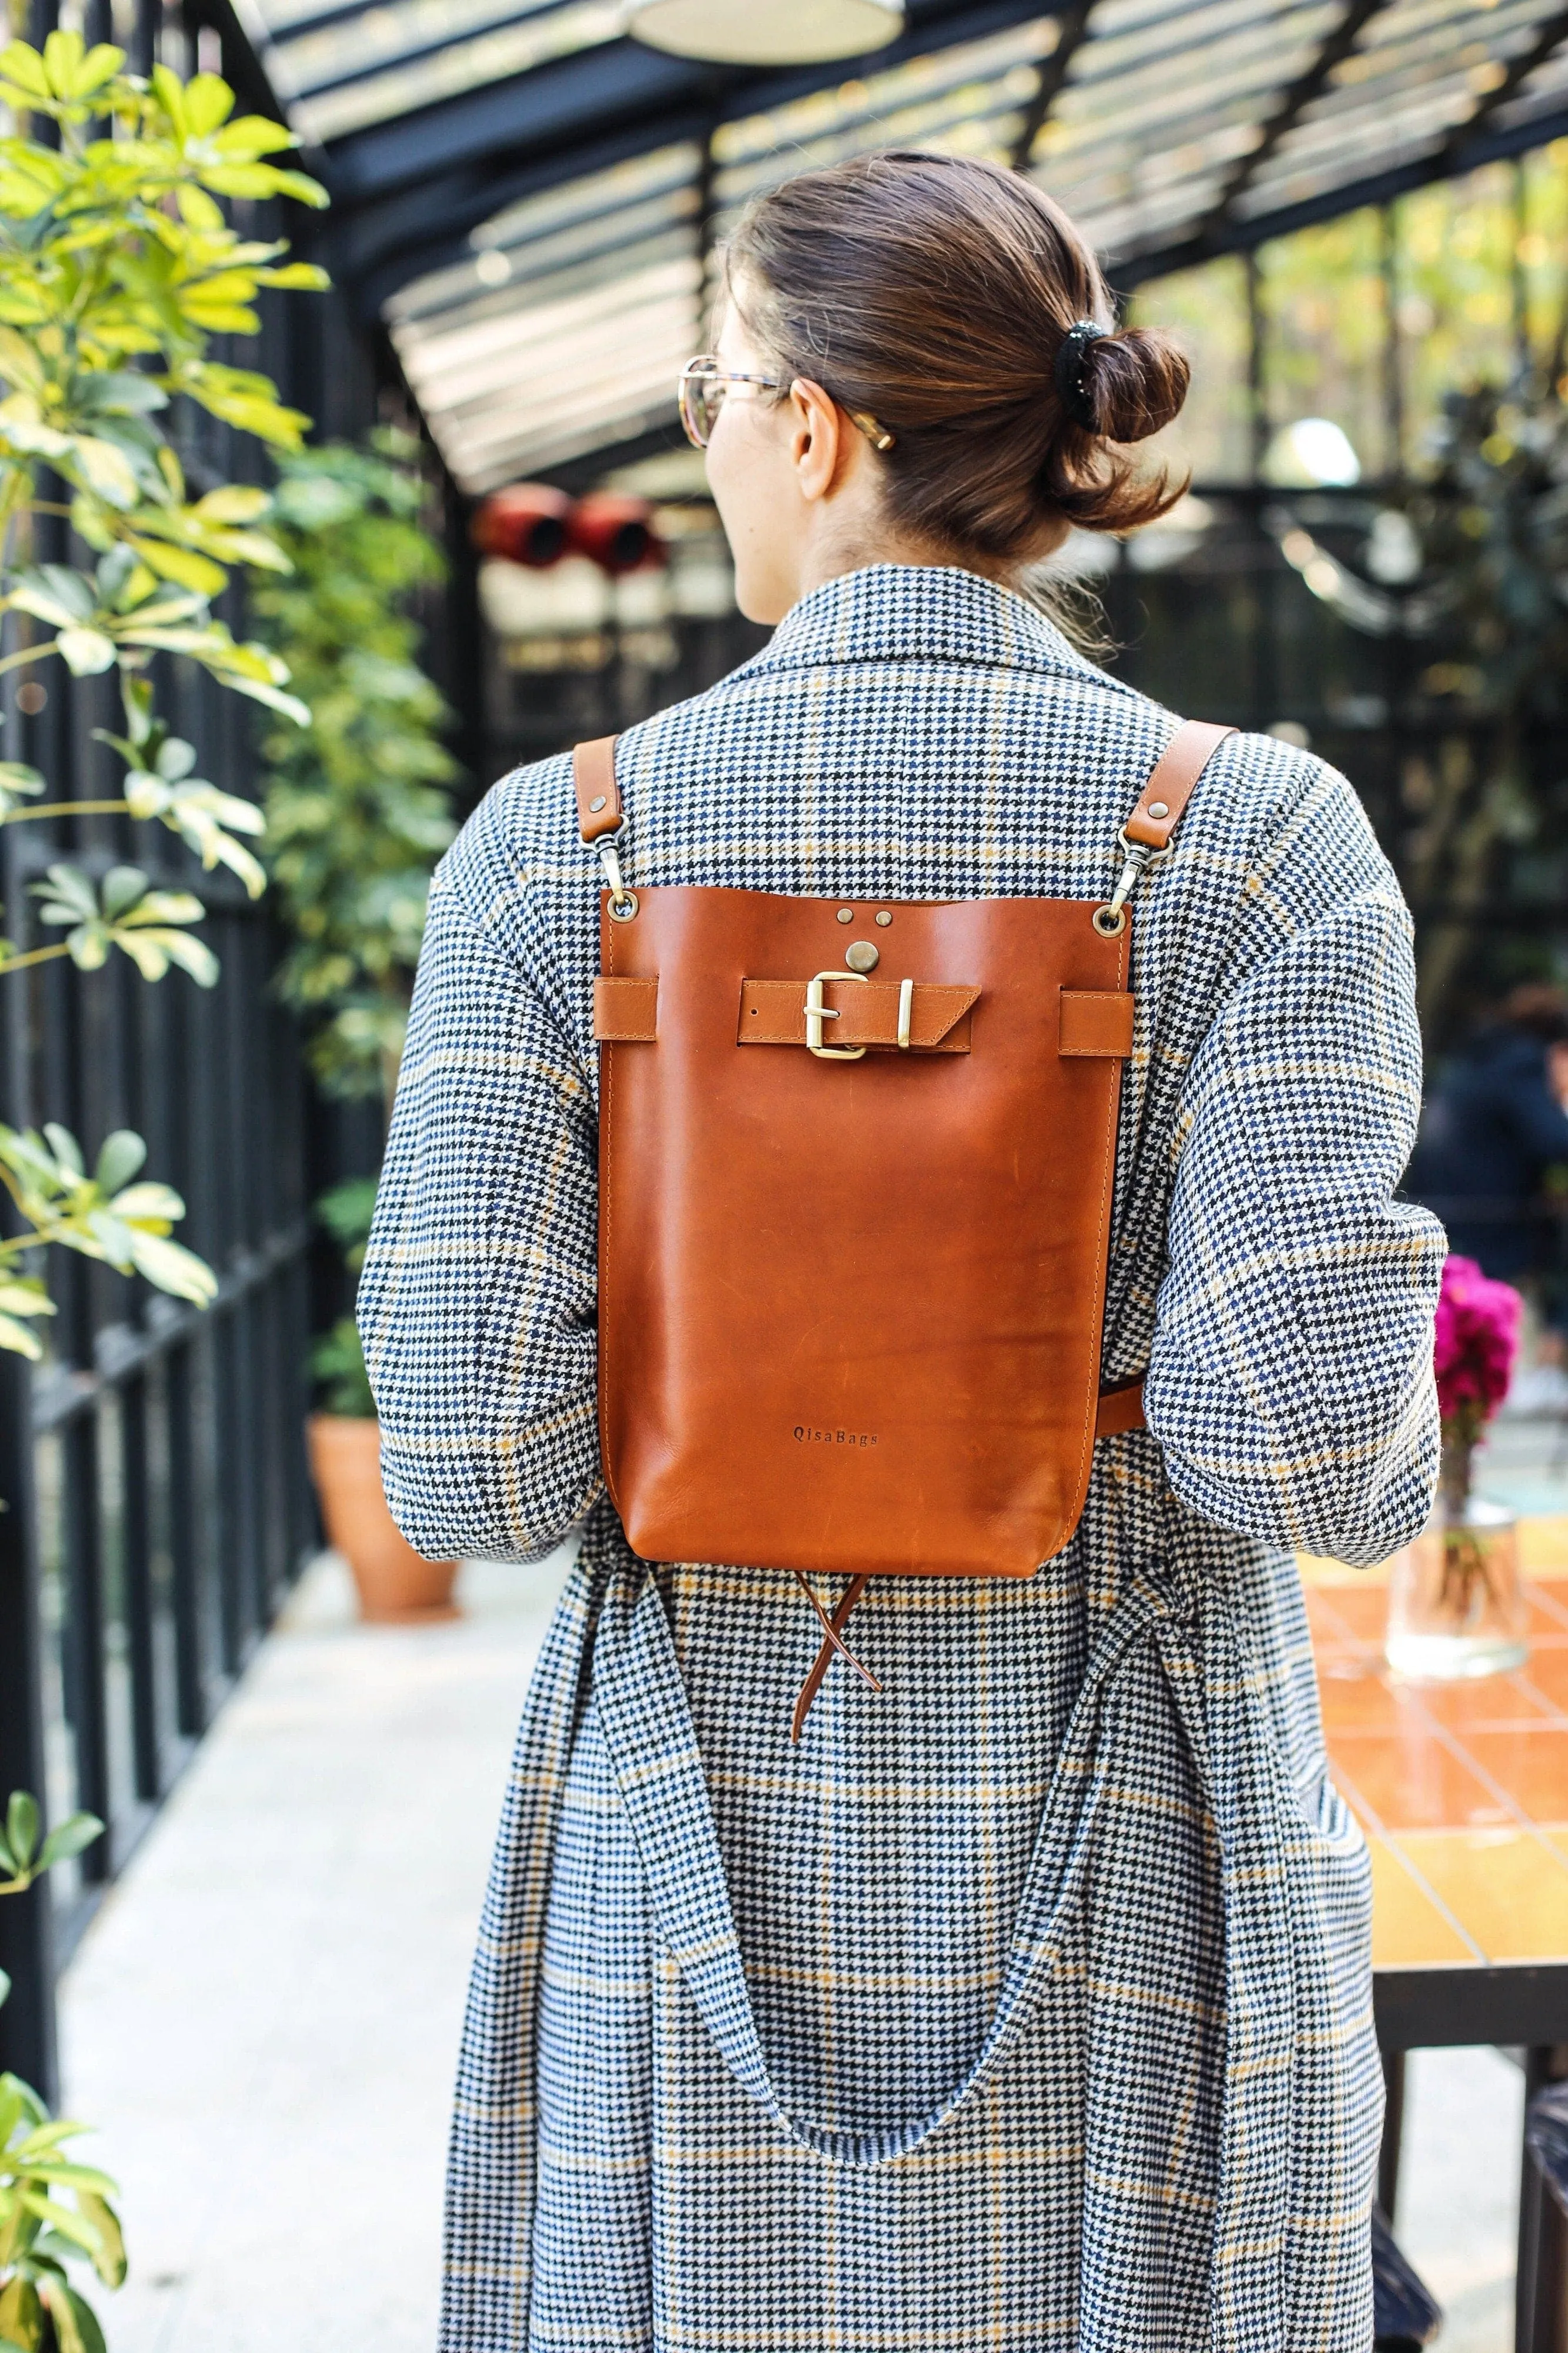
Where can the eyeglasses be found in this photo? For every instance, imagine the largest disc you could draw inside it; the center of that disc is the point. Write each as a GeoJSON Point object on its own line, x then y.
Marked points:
{"type": "Point", "coordinates": [704, 385]}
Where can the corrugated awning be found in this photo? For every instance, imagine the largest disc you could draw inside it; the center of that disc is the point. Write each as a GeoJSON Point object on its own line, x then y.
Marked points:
{"type": "Point", "coordinates": [530, 199]}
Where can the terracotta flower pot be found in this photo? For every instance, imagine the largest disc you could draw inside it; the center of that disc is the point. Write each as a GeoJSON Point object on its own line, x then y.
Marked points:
{"type": "Point", "coordinates": [394, 1580]}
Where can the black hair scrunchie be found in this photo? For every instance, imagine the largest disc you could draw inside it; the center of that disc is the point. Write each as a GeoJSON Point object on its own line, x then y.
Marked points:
{"type": "Point", "coordinates": [1067, 372]}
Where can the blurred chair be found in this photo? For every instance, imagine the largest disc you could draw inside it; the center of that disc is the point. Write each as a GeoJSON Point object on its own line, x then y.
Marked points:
{"type": "Point", "coordinates": [1404, 2316]}
{"type": "Point", "coordinates": [1543, 2206]}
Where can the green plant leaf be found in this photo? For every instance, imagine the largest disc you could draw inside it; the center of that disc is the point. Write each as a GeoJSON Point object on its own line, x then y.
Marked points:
{"type": "Point", "coordinates": [116, 392]}
{"type": "Point", "coordinates": [19, 782]}
{"type": "Point", "coordinates": [153, 951]}
{"type": "Point", "coordinates": [48, 2136]}
{"type": "Point", "coordinates": [76, 2323]}
{"type": "Point", "coordinates": [119, 1155]}
{"type": "Point", "coordinates": [67, 1152]}
{"type": "Point", "coordinates": [155, 1206]}
{"type": "Point", "coordinates": [233, 504]}
{"type": "Point", "coordinates": [53, 593]}
{"type": "Point", "coordinates": [22, 1827]}
{"type": "Point", "coordinates": [21, 2314]}
{"type": "Point", "coordinates": [184, 565]}
{"type": "Point", "coordinates": [74, 71]}
{"type": "Point", "coordinates": [108, 2263]}
{"type": "Point", "coordinates": [131, 917]}
{"type": "Point", "coordinates": [174, 1269]}
{"type": "Point", "coordinates": [25, 1294]}
{"type": "Point", "coordinates": [69, 1838]}
{"type": "Point", "coordinates": [21, 65]}
{"type": "Point", "coordinates": [87, 652]}
{"type": "Point", "coordinates": [124, 887]}
{"type": "Point", "coordinates": [63, 2173]}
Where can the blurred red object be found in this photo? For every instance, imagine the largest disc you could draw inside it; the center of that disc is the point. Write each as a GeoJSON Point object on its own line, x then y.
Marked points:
{"type": "Point", "coordinates": [530, 523]}
{"type": "Point", "coordinates": [616, 532]}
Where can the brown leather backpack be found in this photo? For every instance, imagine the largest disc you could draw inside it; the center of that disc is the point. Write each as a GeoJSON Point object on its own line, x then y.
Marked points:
{"type": "Point", "coordinates": [855, 1162]}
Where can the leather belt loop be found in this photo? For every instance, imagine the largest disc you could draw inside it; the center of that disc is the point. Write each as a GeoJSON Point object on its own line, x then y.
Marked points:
{"type": "Point", "coordinates": [598, 794]}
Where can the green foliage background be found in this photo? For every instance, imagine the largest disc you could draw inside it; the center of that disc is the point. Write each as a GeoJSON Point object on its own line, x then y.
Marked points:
{"type": "Point", "coordinates": [358, 804]}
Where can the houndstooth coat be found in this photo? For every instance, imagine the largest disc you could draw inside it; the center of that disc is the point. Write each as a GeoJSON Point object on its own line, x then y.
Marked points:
{"type": "Point", "coordinates": [1028, 2004]}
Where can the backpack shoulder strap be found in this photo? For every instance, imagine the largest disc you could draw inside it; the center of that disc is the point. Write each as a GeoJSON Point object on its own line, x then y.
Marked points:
{"type": "Point", "coordinates": [598, 794]}
{"type": "Point", "coordinates": [1146, 836]}
{"type": "Point", "coordinates": [599, 816]}
{"type": "Point", "coordinates": [1169, 786]}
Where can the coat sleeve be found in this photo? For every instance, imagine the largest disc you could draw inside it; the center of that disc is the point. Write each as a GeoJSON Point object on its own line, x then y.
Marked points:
{"type": "Point", "coordinates": [476, 1306]}
{"type": "Point", "coordinates": [1290, 1378]}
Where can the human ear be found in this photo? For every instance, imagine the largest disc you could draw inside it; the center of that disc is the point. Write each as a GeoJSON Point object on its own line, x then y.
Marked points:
{"type": "Point", "coordinates": [815, 440]}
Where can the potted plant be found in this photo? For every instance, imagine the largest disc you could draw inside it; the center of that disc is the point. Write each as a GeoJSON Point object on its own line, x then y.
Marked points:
{"type": "Point", "coordinates": [1454, 1607]}
{"type": "Point", "coordinates": [54, 2211]}
{"type": "Point", "coordinates": [394, 1582]}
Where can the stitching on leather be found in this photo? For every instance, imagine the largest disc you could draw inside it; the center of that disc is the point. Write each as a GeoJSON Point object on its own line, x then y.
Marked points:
{"type": "Point", "coordinates": [606, 1212]}
{"type": "Point", "coordinates": [1086, 1451]}
{"type": "Point", "coordinates": [1088, 1054]}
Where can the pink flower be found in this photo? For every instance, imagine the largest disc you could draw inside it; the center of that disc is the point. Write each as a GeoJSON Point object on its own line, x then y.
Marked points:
{"type": "Point", "coordinates": [1476, 1342]}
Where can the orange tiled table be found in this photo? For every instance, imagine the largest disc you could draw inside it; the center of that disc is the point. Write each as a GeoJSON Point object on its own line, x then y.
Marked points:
{"type": "Point", "coordinates": [1462, 1789]}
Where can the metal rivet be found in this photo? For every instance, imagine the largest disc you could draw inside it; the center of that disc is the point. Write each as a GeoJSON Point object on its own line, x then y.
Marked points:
{"type": "Point", "coordinates": [847, 914]}
{"type": "Point", "coordinates": [862, 955]}
{"type": "Point", "coordinates": [884, 920]}
{"type": "Point", "coordinates": [597, 804]}
{"type": "Point", "coordinates": [1158, 808]}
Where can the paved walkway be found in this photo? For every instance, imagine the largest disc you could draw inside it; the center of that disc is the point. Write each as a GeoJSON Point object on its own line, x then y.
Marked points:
{"type": "Point", "coordinates": [263, 2019]}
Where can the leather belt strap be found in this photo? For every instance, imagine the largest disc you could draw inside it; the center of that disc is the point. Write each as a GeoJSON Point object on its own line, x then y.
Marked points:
{"type": "Point", "coordinates": [593, 781]}
{"type": "Point", "coordinates": [773, 1013]}
{"type": "Point", "coordinates": [1093, 1022]}
{"type": "Point", "coordinates": [1169, 789]}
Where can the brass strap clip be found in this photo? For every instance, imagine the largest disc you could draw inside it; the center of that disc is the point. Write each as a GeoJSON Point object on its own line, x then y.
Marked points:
{"type": "Point", "coordinates": [1137, 858]}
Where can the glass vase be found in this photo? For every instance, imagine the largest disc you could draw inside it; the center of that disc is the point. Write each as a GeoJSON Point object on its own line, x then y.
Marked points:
{"type": "Point", "coordinates": [1454, 1604]}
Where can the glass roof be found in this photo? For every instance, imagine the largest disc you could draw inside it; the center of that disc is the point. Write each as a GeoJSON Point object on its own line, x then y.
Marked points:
{"type": "Point", "coordinates": [532, 201]}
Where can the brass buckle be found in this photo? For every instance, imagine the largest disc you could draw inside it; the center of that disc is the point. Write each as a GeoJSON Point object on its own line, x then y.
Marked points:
{"type": "Point", "coordinates": [817, 1013]}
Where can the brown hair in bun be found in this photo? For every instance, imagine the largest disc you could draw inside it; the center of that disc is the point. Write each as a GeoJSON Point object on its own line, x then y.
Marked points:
{"type": "Point", "coordinates": [934, 293]}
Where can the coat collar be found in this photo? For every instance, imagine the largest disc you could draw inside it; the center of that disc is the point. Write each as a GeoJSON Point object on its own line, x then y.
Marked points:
{"type": "Point", "coordinates": [913, 612]}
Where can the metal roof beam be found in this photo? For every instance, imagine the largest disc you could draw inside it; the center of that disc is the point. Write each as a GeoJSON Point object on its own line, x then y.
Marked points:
{"type": "Point", "coordinates": [1294, 103]}
{"type": "Point", "coordinates": [382, 248]}
{"type": "Point", "coordinates": [1053, 78]}
{"type": "Point", "coordinates": [1552, 35]}
{"type": "Point", "coordinates": [1449, 162]}
{"type": "Point", "coordinates": [544, 112]}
